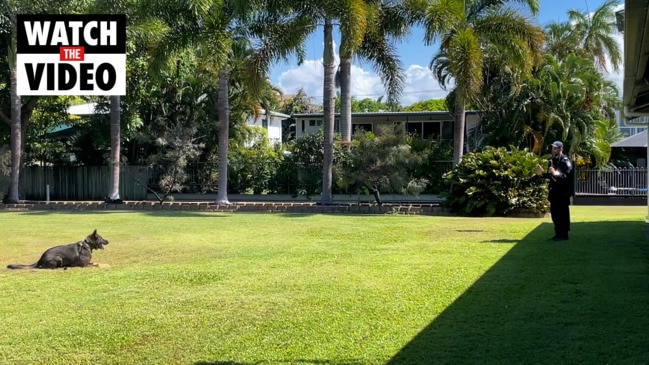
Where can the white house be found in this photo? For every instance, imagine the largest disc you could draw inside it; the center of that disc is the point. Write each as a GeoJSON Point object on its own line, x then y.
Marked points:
{"type": "Point", "coordinates": [271, 122]}
{"type": "Point", "coordinates": [84, 109]}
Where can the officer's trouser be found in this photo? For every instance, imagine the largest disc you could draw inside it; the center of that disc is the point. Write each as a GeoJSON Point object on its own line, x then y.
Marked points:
{"type": "Point", "coordinates": [560, 211]}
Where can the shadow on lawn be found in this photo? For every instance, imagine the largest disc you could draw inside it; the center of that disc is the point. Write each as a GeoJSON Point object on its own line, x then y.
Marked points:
{"type": "Point", "coordinates": [582, 301]}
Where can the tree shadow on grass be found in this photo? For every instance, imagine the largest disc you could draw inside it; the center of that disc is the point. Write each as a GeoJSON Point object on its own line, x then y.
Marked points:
{"type": "Point", "coordinates": [582, 301]}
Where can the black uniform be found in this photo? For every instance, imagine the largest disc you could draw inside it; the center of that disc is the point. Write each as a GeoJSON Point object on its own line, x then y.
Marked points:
{"type": "Point", "coordinates": [561, 189]}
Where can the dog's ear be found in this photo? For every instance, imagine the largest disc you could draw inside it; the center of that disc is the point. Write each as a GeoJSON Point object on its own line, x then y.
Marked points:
{"type": "Point", "coordinates": [94, 233]}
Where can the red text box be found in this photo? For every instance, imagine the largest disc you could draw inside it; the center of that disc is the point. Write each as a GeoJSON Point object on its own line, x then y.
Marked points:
{"type": "Point", "coordinates": [71, 54]}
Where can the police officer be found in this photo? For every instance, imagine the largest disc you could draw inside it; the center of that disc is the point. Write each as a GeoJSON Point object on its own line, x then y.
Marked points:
{"type": "Point", "coordinates": [560, 175]}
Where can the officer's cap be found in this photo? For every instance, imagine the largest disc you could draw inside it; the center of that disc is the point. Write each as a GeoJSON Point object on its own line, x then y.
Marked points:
{"type": "Point", "coordinates": [557, 144]}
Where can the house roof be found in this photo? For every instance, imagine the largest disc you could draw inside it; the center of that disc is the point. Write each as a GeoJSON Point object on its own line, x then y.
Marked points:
{"type": "Point", "coordinates": [279, 115]}
{"type": "Point", "coordinates": [636, 140]}
{"type": "Point", "coordinates": [83, 109]}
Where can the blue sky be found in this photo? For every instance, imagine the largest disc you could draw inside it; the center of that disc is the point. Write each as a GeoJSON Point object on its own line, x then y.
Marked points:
{"type": "Point", "coordinates": [415, 57]}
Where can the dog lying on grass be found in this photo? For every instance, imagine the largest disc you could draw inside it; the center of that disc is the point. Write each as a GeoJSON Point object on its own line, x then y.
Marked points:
{"type": "Point", "coordinates": [75, 254]}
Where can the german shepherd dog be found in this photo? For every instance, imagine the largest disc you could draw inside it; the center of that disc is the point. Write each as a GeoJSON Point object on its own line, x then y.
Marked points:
{"type": "Point", "coordinates": [74, 254]}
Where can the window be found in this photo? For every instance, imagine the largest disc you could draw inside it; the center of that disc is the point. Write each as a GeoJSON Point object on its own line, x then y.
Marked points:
{"type": "Point", "coordinates": [414, 128]}
{"type": "Point", "coordinates": [447, 130]}
{"type": "Point", "coordinates": [432, 130]}
{"type": "Point", "coordinates": [424, 130]}
{"type": "Point", "coordinates": [366, 127]}
{"type": "Point", "coordinates": [264, 123]}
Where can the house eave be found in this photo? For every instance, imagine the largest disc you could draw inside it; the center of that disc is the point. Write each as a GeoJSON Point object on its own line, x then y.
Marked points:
{"type": "Point", "coordinates": [636, 58]}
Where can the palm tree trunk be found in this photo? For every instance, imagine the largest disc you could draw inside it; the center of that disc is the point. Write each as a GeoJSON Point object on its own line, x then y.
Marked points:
{"type": "Point", "coordinates": [115, 137]}
{"type": "Point", "coordinates": [224, 131]}
{"type": "Point", "coordinates": [458, 130]}
{"type": "Point", "coordinates": [16, 140]}
{"type": "Point", "coordinates": [328, 113]}
{"type": "Point", "coordinates": [345, 99]}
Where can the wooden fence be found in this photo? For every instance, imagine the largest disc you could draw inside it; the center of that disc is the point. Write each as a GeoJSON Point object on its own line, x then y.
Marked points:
{"type": "Point", "coordinates": [82, 182]}
{"type": "Point", "coordinates": [4, 185]}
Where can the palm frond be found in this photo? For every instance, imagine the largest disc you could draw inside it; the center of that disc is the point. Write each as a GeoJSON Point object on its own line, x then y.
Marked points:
{"type": "Point", "coordinates": [355, 15]}
{"type": "Point", "coordinates": [442, 17]}
{"type": "Point", "coordinates": [383, 54]}
{"type": "Point", "coordinates": [466, 57]}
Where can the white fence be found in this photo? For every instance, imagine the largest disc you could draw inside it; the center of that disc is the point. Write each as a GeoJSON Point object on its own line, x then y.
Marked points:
{"type": "Point", "coordinates": [627, 182]}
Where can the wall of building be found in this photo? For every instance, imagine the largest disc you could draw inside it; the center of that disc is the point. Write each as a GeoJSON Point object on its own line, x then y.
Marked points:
{"type": "Point", "coordinates": [272, 123]}
{"type": "Point", "coordinates": [429, 125]}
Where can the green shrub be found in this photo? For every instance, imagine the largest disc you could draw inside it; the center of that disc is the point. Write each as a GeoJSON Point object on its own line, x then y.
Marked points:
{"type": "Point", "coordinates": [250, 168]}
{"type": "Point", "coordinates": [436, 160]}
{"type": "Point", "coordinates": [285, 180]}
{"type": "Point", "coordinates": [301, 170]}
{"type": "Point", "coordinates": [381, 163]}
{"type": "Point", "coordinates": [497, 181]}
{"type": "Point", "coordinates": [307, 153]}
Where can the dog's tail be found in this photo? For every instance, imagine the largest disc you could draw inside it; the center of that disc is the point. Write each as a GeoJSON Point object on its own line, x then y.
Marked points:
{"type": "Point", "coordinates": [32, 266]}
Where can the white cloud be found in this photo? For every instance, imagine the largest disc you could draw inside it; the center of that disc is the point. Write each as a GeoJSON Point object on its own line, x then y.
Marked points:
{"type": "Point", "coordinates": [419, 83]}
{"type": "Point", "coordinates": [308, 76]}
{"type": "Point", "coordinates": [366, 84]}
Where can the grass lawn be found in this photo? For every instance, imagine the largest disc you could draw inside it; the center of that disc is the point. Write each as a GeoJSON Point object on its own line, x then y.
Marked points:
{"type": "Point", "coordinates": [240, 289]}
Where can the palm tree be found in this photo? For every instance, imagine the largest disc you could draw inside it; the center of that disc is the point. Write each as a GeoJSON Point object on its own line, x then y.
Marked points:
{"type": "Point", "coordinates": [354, 17]}
{"type": "Point", "coordinates": [504, 105]}
{"type": "Point", "coordinates": [575, 103]}
{"type": "Point", "coordinates": [278, 38]}
{"type": "Point", "coordinates": [16, 130]}
{"type": "Point", "coordinates": [392, 24]}
{"type": "Point", "coordinates": [207, 27]}
{"type": "Point", "coordinates": [115, 111]}
{"type": "Point", "coordinates": [368, 30]}
{"type": "Point", "coordinates": [595, 34]}
{"type": "Point", "coordinates": [353, 24]}
{"type": "Point", "coordinates": [223, 108]}
{"type": "Point", "coordinates": [558, 95]}
{"type": "Point", "coordinates": [561, 40]}
{"type": "Point", "coordinates": [302, 17]}
{"type": "Point", "coordinates": [467, 30]}
{"type": "Point", "coordinates": [328, 104]}
{"type": "Point", "coordinates": [115, 139]}
{"type": "Point", "coordinates": [568, 100]}
{"type": "Point", "coordinates": [212, 29]}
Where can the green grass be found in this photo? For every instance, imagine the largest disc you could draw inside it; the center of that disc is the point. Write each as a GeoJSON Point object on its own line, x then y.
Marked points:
{"type": "Point", "coordinates": [194, 288]}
